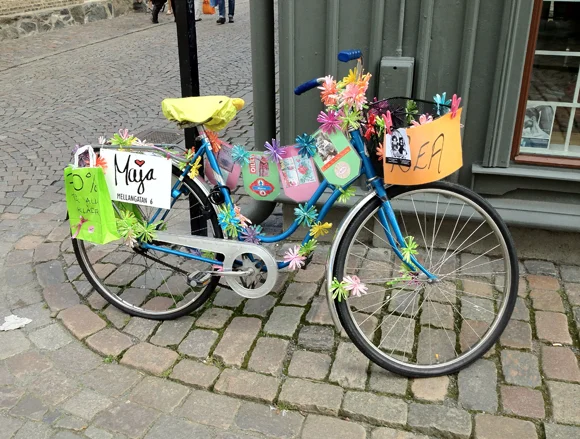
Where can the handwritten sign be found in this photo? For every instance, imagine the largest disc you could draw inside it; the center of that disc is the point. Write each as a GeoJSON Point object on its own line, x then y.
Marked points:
{"type": "Point", "coordinates": [138, 178]}
{"type": "Point", "coordinates": [336, 158]}
{"type": "Point", "coordinates": [261, 178]}
{"type": "Point", "coordinates": [435, 153]}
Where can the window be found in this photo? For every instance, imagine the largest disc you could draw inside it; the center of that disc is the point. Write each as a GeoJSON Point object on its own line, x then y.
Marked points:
{"type": "Point", "coordinates": [549, 119]}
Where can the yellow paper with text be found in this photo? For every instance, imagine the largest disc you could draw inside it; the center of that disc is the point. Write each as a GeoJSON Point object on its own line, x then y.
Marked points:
{"type": "Point", "coordinates": [435, 153]}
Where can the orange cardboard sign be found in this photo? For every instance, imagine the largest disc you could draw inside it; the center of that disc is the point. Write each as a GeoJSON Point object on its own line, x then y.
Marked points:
{"type": "Point", "coordinates": [435, 153]}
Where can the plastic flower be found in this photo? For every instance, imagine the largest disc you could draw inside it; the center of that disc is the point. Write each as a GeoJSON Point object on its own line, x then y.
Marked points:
{"type": "Point", "coordinates": [380, 152]}
{"type": "Point", "coordinates": [423, 119]}
{"type": "Point", "coordinates": [338, 289]}
{"type": "Point", "coordinates": [101, 163]}
{"type": "Point", "coordinates": [353, 96]}
{"type": "Point", "coordinates": [441, 100]}
{"type": "Point", "coordinates": [306, 145]}
{"type": "Point", "coordinates": [122, 138]}
{"type": "Point", "coordinates": [320, 229]}
{"type": "Point", "coordinates": [240, 155]}
{"type": "Point", "coordinates": [345, 194]}
{"type": "Point", "coordinates": [363, 82]}
{"type": "Point", "coordinates": [306, 215]}
{"type": "Point", "coordinates": [455, 103]}
{"type": "Point", "coordinates": [214, 140]}
{"type": "Point", "coordinates": [102, 140]}
{"type": "Point", "coordinates": [139, 142]}
{"type": "Point", "coordinates": [354, 285]}
{"type": "Point", "coordinates": [250, 234]}
{"type": "Point", "coordinates": [195, 167]}
{"type": "Point", "coordinates": [351, 77]}
{"type": "Point", "coordinates": [82, 220]}
{"type": "Point", "coordinates": [294, 259]}
{"type": "Point", "coordinates": [369, 131]}
{"type": "Point", "coordinates": [307, 248]}
{"type": "Point", "coordinates": [273, 151]}
{"type": "Point", "coordinates": [244, 222]}
{"type": "Point", "coordinates": [350, 119]}
{"type": "Point", "coordinates": [388, 120]}
{"type": "Point", "coordinates": [409, 249]}
{"type": "Point", "coordinates": [330, 122]}
{"type": "Point", "coordinates": [411, 110]}
{"type": "Point", "coordinates": [328, 95]}
{"type": "Point", "coordinates": [229, 222]}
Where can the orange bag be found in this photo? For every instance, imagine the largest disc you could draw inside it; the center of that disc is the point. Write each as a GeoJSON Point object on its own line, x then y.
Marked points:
{"type": "Point", "coordinates": [207, 8]}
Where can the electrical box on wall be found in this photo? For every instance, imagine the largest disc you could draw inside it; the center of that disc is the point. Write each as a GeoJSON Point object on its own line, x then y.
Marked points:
{"type": "Point", "coordinates": [396, 77]}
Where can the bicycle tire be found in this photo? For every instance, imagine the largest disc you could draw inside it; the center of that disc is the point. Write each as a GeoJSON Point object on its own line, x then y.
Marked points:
{"type": "Point", "coordinates": [359, 338]}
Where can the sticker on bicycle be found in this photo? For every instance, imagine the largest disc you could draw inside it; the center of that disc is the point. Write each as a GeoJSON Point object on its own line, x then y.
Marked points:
{"type": "Point", "coordinates": [435, 153]}
{"type": "Point", "coordinates": [336, 158]}
{"type": "Point", "coordinates": [138, 178]}
{"type": "Point", "coordinates": [261, 177]}
{"type": "Point", "coordinates": [398, 150]}
{"type": "Point", "coordinates": [299, 176]}
{"type": "Point", "coordinates": [230, 170]}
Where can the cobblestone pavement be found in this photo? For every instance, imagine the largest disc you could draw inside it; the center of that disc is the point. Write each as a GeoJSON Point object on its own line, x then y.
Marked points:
{"type": "Point", "coordinates": [271, 367]}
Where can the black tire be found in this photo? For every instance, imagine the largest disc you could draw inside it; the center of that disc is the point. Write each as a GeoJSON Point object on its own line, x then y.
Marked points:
{"type": "Point", "coordinates": [366, 346]}
{"type": "Point", "coordinates": [198, 223]}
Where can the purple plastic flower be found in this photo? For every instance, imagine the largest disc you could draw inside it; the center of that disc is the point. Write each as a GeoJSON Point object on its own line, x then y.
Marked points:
{"type": "Point", "coordinates": [250, 234]}
{"type": "Point", "coordinates": [273, 150]}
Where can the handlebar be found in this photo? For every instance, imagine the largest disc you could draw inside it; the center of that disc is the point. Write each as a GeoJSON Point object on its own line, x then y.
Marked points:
{"type": "Point", "coordinates": [349, 55]}
{"type": "Point", "coordinates": [308, 85]}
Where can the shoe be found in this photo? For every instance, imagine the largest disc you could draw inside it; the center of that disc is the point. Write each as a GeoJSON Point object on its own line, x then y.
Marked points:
{"type": "Point", "coordinates": [155, 14]}
{"type": "Point", "coordinates": [169, 12]}
{"type": "Point", "coordinates": [231, 19]}
{"type": "Point", "coordinates": [221, 20]}
{"type": "Point", "coordinates": [198, 19]}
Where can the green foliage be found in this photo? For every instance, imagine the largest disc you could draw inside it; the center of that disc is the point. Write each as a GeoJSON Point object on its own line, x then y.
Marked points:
{"type": "Point", "coordinates": [133, 229]}
{"type": "Point", "coordinates": [119, 140]}
{"type": "Point", "coordinates": [411, 111]}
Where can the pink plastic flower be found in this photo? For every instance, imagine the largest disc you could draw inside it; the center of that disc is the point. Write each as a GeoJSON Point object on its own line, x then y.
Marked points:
{"type": "Point", "coordinates": [294, 259]}
{"type": "Point", "coordinates": [423, 119]}
{"type": "Point", "coordinates": [388, 122]}
{"type": "Point", "coordinates": [354, 285]}
{"type": "Point", "coordinates": [354, 96]}
{"type": "Point", "coordinates": [328, 94]}
{"type": "Point", "coordinates": [455, 103]}
{"type": "Point", "coordinates": [82, 220]}
{"type": "Point", "coordinates": [330, 121]}
{"type": "Point", "coordinates": [244, 221]}
{"type": "Point", "coordinates": [124, 133]}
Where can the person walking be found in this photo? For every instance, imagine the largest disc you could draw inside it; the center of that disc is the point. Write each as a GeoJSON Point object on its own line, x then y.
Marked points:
{"type": "Point", "coordinates": [222, 11]}
{"type": "Point", "coordinates": [157, 6]}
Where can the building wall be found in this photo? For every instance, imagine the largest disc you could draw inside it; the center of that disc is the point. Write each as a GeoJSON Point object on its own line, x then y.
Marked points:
{"type": "Point", "coordinates": [10, 7]}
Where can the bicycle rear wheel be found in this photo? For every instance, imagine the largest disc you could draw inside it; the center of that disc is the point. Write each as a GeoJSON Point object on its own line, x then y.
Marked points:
{"type": "Point", "coordinates": [411, 326]}
{"type": "Point", "coordinates": [150, 283]}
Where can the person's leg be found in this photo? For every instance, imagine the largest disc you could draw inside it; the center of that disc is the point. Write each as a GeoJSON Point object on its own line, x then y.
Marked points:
{"type": "Point", "coordinates": [231, 8]}
{"type": "Point", "coordinates": [157, 5]}
{"type": "Point", "coordinates": [170, 7]}
{"type": "Point", "coordinates": [222, 11]}
{"type": "Point", "coordinates": [198, 4]}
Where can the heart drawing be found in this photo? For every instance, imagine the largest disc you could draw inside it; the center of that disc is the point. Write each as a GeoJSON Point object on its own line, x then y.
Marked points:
{"type": "Point", "coordinates": [139, 162]}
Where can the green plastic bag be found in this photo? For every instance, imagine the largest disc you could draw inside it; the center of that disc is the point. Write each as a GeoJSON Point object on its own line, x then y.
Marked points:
{"type": "Point", "coordinates": [90, 210]}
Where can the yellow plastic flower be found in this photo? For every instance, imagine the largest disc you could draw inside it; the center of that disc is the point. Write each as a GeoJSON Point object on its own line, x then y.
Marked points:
{"type": "Point", "coordinates": [194, 172]}
{"type": "Point", "coordinates": [351, 77]}
{"type": "Point", "coordinates": [320, 229]}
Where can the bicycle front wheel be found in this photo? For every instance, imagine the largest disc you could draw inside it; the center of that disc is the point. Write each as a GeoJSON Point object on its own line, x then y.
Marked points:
{"type": "Point", "coordinates": [408, 324]}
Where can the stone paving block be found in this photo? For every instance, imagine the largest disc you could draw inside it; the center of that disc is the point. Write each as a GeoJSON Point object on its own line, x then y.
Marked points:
{"type": "Point", "coordinates": [477, 387]}
{"type": "Point", "coordinates": [299, 294]}
{"type": "Point", "coordinates": [350, 367]}
{"type": "Point", "coordinates": [214, 318]}
{"type": "Point", "coordinates": [374, 409]}
{"type": "Point", "coordinates": [81, 321]}
{"type": "Point", "coordinates": [9, 425]}
{"type": "Point", "coordinates": [50, 273]}
{"type": "Point", "coordinates": [268, 355]}
{"type": "Point", "coordinates": [319, 313]}
{"type": "Point", "coordinates": [517, 335]}
{"type": "Point", "coordinates": [553, 327]}
{"type": "Point", "coordinates": [430, 389]}
{"type": "Point", "coordinates": [227, 298]}
{"type": "Point", "coordinates": [17, 257]}
{"type": "Point", "coordinates": [209, 409]}
{"type": "Point", "coordinates": [128, 418]}
{"type": "Point", "coordinates": [521, 311]}
{"type": "Point", "coordinates": [87, 404]}
{"type": "Point", "coordinates": [54, 386]}
{"type": "Point", "coordinates": [149, 358]}
{"type": "Point", "coordinates": [97, 433]}
{"type": "Point", "coordinates": [74, 359]}
{"type": "Point", "coordinates": [561, 395]}
{"type": "Point", "coordinates": [29, 407]}
{"type": "Point", "coordinates": [313, 365]}
{"type": "Point", "coordinates": [38, 313]}
{"type": "Point", "coordinates": [313, 273]}
{"type": "Point", "coordinates": [317, 338]}
{"type": "Point", "coordinates": [324, 427]}
{"type": "Point", "coordinates": [118, 318]}
{"type": "Point", "coordinates": [247, 384]}
{"type": "Point", "coordinates": [111, 380]}
{"type": "Point", "coordinates": [309, 396]}
{"type": "Point", "coordinates": [570, 273]}
{"type": "Point", "coordinates": [521, 401]}
{"type": "Point", "coordinates": [389, 433]}
{"type": "Point", "coordinates": [383, 381]}
{"type": "Point", "coordinates": [171, 332]}
{"type": "Point", "coordinates": [28, 365]}
{"type": "Point", "coordinates": [109, 342]}
{"type": "Point", "coordinates": [29, 242]}
{"type": "Point", "coordinates": [477, 288]}
{"type": "Point", "coordinates": [140, 328]}
{"type": "Point", "coordinates": [284, 321]}
{"type": "Point", "coordinates": [546, 301]}
{"type": "Point", "coordinates": [261, 419]}
{"type": "Point", "coordinates": [237, 340]}
{"type": "Point", "coordinates": [499, 427]}
{"type": "Point", "coordinates": [556, 431]}
{"type": "Point", "coordinates": [171, 427]}
{"type": "Point", "coordinates": [160, 394]}
{"type": "Point", "coordinates": [12, 343]}
{"type": "Point", "coordinates": [196, 374]}
{"type": "Point", "coordinates": [46, 252]}
{"type": "Point", "coordinates": [50, 337]}
{"type": "Point", "coordinates": [439, 420]}
{"type": "Point", "coordinates": [9, 396]}
{"type": "Point", "coordinates": [96, 301]}
{"type": "Point", "coordinates": [71, 423]}
{"type": "Point", "coordinates": [33, 430]}
{"type": "Point", "coordinates": [520, 368]}
{"type": "Point", "coordinates": [260, 307]}
{"type": "Point", "coordinates": [543, 283]}
{"type": "Point", "coordinates": [573, 294]}
{"type": "Point", "coordinates": [198, 343]}
{"type": "Point", "coordinates": [540, 267]}
{"type": "Point", "coordinates": [560, 363]}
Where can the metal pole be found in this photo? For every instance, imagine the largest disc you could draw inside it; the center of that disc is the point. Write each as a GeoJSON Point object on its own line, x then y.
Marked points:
{"type": "Point", "coordinates": [188, 62]}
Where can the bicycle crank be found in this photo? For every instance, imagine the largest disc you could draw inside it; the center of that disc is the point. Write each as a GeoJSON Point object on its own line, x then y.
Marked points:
{"type": "Point", "coordinates": [255, 278]}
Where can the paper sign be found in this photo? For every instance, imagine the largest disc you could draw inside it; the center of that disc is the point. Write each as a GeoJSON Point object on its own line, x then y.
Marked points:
{"type": "Point", "coordinates": [138, 178]}
{"type": "Point", "coordinates": [435, 153]}
{"type": "Point", "coordinates": [398, 150]}
{"type": "Point", "coordinates": [261, 178]}
{"type": "Point", "coordinates": [230, 170]}
{"type": "Point", "coordinates": [298, 174]}
{"type": "Point", "coordinates": [336, 158]}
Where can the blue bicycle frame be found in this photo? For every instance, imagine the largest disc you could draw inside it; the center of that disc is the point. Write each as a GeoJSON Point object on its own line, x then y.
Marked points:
{"type": "Point", "coordinates": [386, 214]}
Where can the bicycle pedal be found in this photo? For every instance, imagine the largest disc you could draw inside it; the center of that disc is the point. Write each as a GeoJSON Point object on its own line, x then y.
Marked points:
{"type": "Point", "coordinates": [198, 279]}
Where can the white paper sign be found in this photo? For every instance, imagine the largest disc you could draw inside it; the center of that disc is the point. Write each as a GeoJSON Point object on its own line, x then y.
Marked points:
{"type": "Point", "coordinates": [138, 178]}
{"type": "Point", "coordinates": [397, 148]}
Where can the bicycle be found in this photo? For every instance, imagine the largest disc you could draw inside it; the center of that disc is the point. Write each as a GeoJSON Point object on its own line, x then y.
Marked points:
{"type": "Point", "coordinates": [417, 307]}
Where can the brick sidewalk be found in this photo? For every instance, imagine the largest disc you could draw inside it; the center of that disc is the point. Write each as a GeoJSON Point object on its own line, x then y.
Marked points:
{"type": "Point", "coordinates": [270, 367]}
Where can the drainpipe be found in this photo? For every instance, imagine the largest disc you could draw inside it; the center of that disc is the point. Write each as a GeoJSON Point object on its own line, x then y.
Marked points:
{"type": "Point", "coordinates": [399, 51]}
{"type": "Point", "coordinates": [264, 80]}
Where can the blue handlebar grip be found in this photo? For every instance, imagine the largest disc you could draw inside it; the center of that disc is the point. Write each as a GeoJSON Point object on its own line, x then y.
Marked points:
{"type": "Point", "coordinates": [309, 85]}
{"type": "Point", "coordinates": [349, 55]}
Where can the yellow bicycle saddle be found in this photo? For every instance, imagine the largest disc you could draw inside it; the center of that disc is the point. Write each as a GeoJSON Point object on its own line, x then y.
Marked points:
{"type": "Point", "coordinates": [215, 112]}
